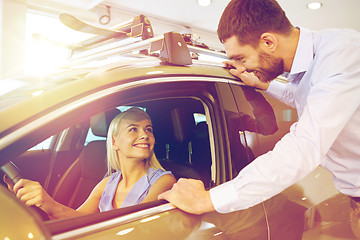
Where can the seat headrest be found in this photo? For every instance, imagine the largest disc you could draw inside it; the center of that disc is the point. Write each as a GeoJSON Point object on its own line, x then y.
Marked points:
{"type": "Point", "coordinates": [162, 124]}
{"type": "Point", "coordinates": [100, 123]}
{"type": "Point", "coordinates": [201, 130]}
{"type": "Point", "coordinates": [183, 122]}
{"type": "Point", "coordinates": [173, 125]}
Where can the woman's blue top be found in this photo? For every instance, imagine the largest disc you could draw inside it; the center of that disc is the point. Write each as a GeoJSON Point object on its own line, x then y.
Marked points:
{"type": "Point", "coordinates": [137, 193]}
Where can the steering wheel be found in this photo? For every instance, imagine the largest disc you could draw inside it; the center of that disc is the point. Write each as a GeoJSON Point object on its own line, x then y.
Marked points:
{"type": "Point", "coordinates": [14, 174]}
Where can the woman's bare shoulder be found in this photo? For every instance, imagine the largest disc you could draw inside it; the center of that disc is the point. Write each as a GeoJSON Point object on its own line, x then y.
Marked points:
{"type": "Point", "coordinates": [165, 181]}
{"type": "Point", "coordinates": [99, 188]}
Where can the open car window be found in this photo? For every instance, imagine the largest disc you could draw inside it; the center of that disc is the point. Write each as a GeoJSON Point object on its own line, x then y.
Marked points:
{"type": "Point", "coordinates": [182, 146]}
{"type": "Point", "coordinates": [78, 162]}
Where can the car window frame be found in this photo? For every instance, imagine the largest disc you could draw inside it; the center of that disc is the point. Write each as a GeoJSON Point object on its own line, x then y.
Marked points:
{"type": "Point", "coordinates": [50, 119]}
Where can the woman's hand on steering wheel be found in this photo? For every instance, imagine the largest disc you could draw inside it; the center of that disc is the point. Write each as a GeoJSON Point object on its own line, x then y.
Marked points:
{"type": "Point", "coordinates": [8, 182]}
{"type": "Point", "coordinates": [33, 194]}
{"type": "Point", "coordinates": [23, 189]}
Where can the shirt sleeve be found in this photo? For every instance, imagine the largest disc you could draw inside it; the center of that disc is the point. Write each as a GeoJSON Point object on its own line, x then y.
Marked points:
{"type": "Point", "coordinates": [331, 103]}
{"type": "Point", "coordinates": [282, 91]}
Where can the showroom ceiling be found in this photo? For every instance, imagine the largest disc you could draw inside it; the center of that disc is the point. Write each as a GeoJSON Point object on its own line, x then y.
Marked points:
{"type": "Point", "coordinates": [333, 13]}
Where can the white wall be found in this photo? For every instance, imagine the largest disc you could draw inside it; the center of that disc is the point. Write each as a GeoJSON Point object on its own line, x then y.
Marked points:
{"type": "Point", "coordinates": [12, 43]}
{"type": "Point", "coordinates": [161, 26]}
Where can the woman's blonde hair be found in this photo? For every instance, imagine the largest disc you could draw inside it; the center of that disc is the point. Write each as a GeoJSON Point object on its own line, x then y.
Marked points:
{"type": "Point", "coordinates": [113, 161]}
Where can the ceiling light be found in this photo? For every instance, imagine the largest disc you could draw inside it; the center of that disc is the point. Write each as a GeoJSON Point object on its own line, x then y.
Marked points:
{"type": "Point", "coordinates": [204, 3]}
{"type": "Point", "coordinates": [105, 18]}
{"type": "Point", "coordinates": [314, 5]}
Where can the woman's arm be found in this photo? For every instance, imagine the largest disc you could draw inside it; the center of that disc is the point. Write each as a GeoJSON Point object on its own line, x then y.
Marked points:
{"type": "Point", "coordinates": [32, 193]}
{"type": "Point", "coordinates": [164, 183]}
{"type": "Point", "coordinates": [91, 205]}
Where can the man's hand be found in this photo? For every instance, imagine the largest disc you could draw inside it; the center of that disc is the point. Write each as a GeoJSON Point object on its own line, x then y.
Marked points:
{"type": "Point", "coordinates": [248, 78]}
{"type": "Point", "coordinates": [190, 196]}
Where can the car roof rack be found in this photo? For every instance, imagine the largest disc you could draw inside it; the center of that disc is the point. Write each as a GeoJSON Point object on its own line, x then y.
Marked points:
{"type": "Point", "coordinates": [138, 26]}
{"type": "Point", "coordinates": [135, 35]}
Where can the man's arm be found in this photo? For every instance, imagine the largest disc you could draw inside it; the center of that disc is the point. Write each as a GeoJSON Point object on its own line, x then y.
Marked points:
{"type": "Point", "coordinates": [295, 155]}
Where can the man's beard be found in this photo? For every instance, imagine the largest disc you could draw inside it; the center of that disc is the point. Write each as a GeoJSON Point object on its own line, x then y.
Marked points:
{"type": "Point", "coordinates": [270, 67]}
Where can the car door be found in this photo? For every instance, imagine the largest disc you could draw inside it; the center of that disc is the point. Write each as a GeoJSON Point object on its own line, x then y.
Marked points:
{"type": "Point", "coordinates": [221, 115]}
{"type": "Point", "coordinates": [170, 94]}
{"type": "Point", "coordinates": [264, 121]}
{"type": "Point", "coordinates": [159, 218]}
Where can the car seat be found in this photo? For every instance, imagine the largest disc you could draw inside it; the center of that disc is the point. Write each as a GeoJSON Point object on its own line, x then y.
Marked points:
{"type": "Point", "coordinates": [173, 129]}
{"type": "Point", "coordinates": [89, 168]}
{"type": "Point", "coordinates": [201, 153]}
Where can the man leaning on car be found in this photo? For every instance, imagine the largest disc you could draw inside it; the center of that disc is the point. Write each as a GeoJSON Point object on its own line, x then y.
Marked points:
{"type": "Point", "coordinates": [323, 71]}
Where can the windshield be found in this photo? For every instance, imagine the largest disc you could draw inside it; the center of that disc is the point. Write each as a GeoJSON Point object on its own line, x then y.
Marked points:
{"type": "Point", "coordinates": [16, 90]}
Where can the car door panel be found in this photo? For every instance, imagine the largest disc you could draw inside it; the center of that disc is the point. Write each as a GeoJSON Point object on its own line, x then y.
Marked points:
{"type": "Point", "coordinates": [173, 223]}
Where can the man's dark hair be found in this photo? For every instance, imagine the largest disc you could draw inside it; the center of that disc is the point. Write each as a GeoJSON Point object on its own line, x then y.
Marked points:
{"type": "Point", "coordinates": [249, 19]}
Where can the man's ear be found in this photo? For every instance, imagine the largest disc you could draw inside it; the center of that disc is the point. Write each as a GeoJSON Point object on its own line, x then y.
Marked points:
{"type": "Point", "coordinates": [268, 42]}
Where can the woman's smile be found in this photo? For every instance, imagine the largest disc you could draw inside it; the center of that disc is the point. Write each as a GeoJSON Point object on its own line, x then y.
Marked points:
{"type": "Point", "coordinates": [142, 145]}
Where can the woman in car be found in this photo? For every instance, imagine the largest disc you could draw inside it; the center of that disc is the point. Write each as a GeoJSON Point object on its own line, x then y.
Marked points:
{"type": "Point", "coordinates": [135, 175]}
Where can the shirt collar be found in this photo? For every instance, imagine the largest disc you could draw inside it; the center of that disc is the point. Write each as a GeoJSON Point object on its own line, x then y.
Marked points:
{"type": "Point", "coordinates": [304, 53]}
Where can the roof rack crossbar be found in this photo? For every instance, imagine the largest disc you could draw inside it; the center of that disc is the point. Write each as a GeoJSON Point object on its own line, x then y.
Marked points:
{"type": "Point", "coordinates": [171, 48]}
{"type": "Point", "coordinates": [112, 51]}
{"type": "Point", "coordinates": [135, 35]}
{"type": "Point", "coordinates": [91, 54]}
{"type": "Point", "coordinates": [139, 27]}
{"type": "Point", "coordinates": [208, 52]}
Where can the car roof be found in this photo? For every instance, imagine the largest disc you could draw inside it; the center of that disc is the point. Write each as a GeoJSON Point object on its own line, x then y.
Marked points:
{"type": "Point", "coordinates": [43, 93]}
{"type": "Point", "coordinates": [89, 69]}
{"type": "Point", "coordinates": [95, 65]}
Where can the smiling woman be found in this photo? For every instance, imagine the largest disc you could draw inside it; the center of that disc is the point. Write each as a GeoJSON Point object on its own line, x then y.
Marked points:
{"type": "Point", "coordinates": [130, 136]}
{"type": "Point", "coordinates": [134, 174]}
{"type": "Point", "coordinates": [138, 175]}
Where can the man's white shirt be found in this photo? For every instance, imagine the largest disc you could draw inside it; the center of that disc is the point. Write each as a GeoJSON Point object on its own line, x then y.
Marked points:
{"type": "Point", "coordinates": [324, 87]}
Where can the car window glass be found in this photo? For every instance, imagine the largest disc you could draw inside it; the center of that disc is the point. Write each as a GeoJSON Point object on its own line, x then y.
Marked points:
{"type": "Point", "coordinates": [199, 117]}
{"type": "Point", "coordinates": [181, 129]}
{"type": "Point", "coordinates": [181, 137]}
{"type": "Point", "coordinates": [43, 145]}
{"type": "Point", "coordinates": [181, 133]}
{"type": "Point", "coordinates": [264, 119]}
{"type": "Point", "coordinates": [92, 137]}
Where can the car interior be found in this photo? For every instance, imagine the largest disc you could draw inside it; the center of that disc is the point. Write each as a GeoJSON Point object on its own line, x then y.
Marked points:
{"type": "Point", "coordinates": [76, 159]}
{"type": "Point", "coordinates": [182, 147]}
{"type": "Point", "coordinates": [89, 168]}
